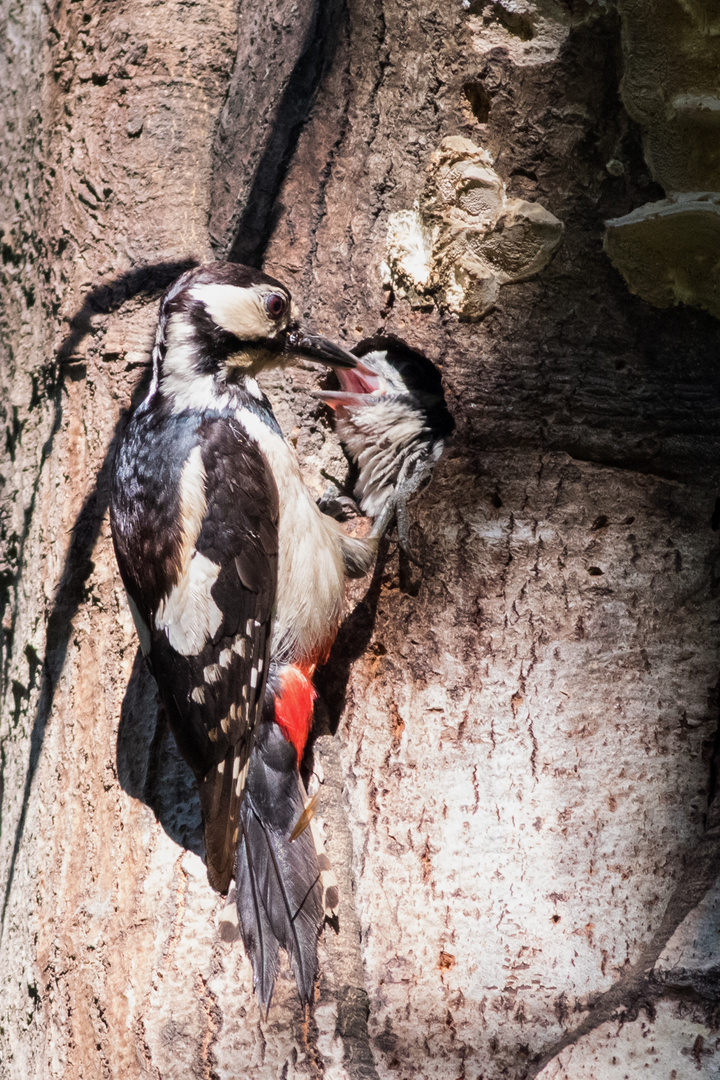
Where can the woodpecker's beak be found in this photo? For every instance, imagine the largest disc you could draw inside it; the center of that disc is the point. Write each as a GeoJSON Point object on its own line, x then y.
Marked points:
{"type": "Point", "coordinates": [301, 343]}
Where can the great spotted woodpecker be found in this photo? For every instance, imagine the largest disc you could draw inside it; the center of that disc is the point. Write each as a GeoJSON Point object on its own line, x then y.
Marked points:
{"type": "Point", "coordinates": [236, 583]}
{"type": "Point", "coordinates": [393, 421]}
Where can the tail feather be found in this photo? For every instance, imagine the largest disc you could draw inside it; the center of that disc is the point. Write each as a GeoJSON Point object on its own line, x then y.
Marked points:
{"type": "Point", "coordinates": [278, 887]}
{"type": "Point", "coordinates": [261, 944]}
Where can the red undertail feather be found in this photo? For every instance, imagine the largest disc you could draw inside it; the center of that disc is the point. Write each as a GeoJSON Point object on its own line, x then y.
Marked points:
{"type": "Point", "coordinates": [294, 707]}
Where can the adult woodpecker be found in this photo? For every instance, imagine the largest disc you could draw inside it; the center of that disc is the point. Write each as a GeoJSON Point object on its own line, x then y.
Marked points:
{"type": "Point", "coordinates": [392, 418]}
{"type": "Point", "coordinates": [236, 583]}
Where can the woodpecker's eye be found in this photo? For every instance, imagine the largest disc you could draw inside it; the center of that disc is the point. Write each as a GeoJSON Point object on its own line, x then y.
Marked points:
{"type": "Point", "coordinates": [275, 305]}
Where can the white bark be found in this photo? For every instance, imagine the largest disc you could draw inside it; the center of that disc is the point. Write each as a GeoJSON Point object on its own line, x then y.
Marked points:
{"type": "Point", "coordinates": [519, 796]}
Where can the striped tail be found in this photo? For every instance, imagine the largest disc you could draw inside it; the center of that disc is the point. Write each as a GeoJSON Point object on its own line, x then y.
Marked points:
{"type": "Point", "coordinates": [279, 891]}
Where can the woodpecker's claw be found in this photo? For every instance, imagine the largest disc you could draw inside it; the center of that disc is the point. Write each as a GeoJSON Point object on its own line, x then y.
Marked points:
{"type": "Point", "coordinates": [396, 510]}
{"type": "Point", "coordinates": [338, 506]}
{"type": "Point", "coordinates": [396, 507]}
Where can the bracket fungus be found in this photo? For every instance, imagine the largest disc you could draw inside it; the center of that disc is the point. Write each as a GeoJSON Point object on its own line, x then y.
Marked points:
{"type": "Point", "coordinates": [465, 238]}
{"type": "Point", "coordinates": [668, 251]}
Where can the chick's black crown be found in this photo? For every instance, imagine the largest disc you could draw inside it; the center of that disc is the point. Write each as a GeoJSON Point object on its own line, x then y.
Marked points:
{"type": "Point", "coordinates": [417, 376]}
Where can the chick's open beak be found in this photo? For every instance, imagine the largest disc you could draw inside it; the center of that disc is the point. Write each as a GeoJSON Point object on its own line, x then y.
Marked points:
{"type": "Point", "coordinates": [315, 347]}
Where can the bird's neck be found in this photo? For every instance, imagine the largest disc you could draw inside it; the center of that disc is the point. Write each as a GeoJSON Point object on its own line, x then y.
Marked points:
{"type": "Point", "coordinates": [195, 372]}
{"type": "Point", "coordinates": [181, 385]}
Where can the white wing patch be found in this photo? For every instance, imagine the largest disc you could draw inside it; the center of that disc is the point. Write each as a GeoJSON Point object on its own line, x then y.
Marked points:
{"type": "Point", "coordinates": [188, 615]}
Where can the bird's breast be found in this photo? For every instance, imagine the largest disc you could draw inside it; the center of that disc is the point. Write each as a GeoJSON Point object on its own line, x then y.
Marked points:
{"type": "Point", "coordinates": [311, 570]}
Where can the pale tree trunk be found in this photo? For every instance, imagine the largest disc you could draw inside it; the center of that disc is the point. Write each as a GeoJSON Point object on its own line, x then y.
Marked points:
{"type": "Point", "coordinates": [518, 740]}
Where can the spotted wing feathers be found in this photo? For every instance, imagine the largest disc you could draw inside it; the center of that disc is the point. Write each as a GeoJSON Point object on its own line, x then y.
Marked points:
{"type": "Point", "coordinates": [208, 604]}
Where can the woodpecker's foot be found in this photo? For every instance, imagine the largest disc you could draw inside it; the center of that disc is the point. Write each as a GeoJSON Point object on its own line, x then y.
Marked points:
{"type": "Point", "coordinates": [335, 505]}
{"type": "Point", "coordinates": [403, 528]}
{"type": "Point", "coordinates": [396, 510]}
{"type": "Point", "coordinates": [409, 484]}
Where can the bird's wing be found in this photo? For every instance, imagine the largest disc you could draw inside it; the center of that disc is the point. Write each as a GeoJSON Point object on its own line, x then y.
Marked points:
{"type": "Point", "coordinates": [209, 612]}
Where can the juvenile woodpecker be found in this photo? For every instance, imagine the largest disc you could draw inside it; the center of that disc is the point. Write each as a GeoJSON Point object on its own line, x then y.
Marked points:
{"type": "Point", "coordinates": [236, 583]}
{"type": "Point", "coordinates": [392, 418]}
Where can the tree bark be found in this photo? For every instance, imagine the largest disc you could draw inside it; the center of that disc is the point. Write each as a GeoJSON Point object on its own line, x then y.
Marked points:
{"type": "Point", "coordinates": [518, 740]}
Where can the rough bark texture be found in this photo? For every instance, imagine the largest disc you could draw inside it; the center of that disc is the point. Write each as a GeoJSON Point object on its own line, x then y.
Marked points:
{"type": "Point", "coordinates": [519, 741]}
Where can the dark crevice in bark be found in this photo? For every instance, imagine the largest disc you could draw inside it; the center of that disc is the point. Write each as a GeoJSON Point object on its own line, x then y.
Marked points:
{"type": "Point", "coordinates": [696, 988]}
{"type": "Point", "coordinates": [254, 207]}
{"type": "Point", "coordinates": [351, 642]}
{"type": "Point", "coordinates": [320, 206]}
{"type": "Point", "coordinates": [712, 818]}
{"type": "Point", "coordinates": [352, 1027]}
{"type": "Point", "coordinates": [107, 297]}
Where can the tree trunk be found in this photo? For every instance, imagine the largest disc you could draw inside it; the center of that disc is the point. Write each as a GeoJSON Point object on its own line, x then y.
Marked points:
{"type": "Point", "coordinates": [519, 738]}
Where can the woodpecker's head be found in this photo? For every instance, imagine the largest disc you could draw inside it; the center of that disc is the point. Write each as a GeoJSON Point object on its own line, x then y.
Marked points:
{"type": "Point", "coordinates": [220, 325]}
{"type": "Point", "coordinates": [392, 419]}
{"type": "Point", "coordinates": [389, 372]}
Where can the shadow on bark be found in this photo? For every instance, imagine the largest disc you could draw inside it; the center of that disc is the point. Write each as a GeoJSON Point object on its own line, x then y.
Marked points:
{"type": "Point", "coordinates": [245, 207]}
{"type": "Point", "coordinates": [108, 297]}
{"type": "Point", "coordinates": [351, 642]}
{"type": "Point", "coordinates": [149, 764]}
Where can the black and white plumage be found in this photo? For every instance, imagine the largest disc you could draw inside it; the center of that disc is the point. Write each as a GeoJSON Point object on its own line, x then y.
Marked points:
{"type": "Point", "coordinates": [393, 421]}
{"type": "Point", "coordinates": [236, 583]}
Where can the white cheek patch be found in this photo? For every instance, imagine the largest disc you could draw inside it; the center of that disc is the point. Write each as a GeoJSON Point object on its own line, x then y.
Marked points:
{"type": "Point", "coordinates": [241, 311]}
{"type": "Point", "coordinates": [188, 615]}
{"type": "Point", "coordinates": [182, 383]}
